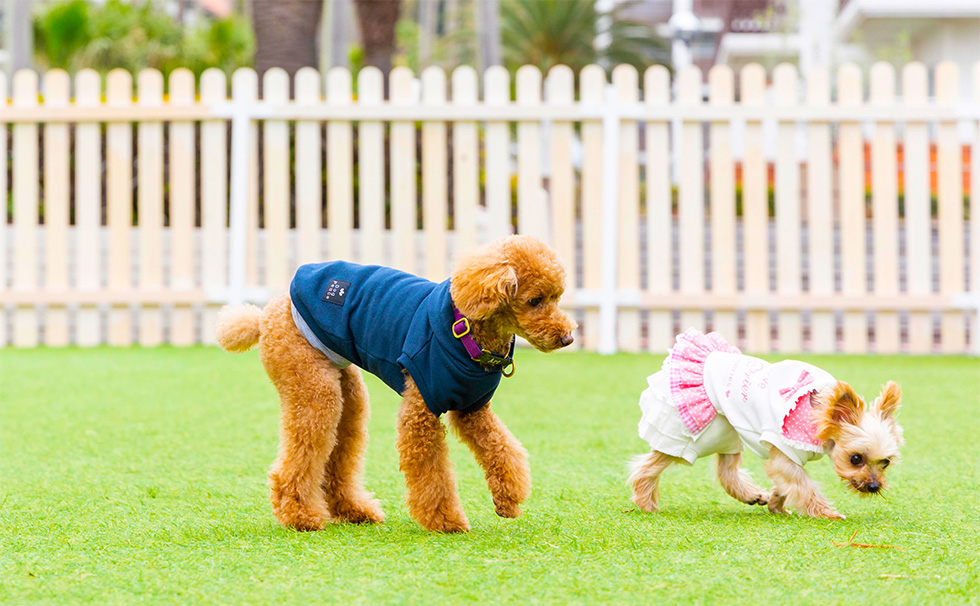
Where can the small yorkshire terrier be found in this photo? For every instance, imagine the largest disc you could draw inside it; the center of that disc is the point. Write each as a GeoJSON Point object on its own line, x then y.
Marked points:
{"type": "Point", "coordinates": [710, 399]}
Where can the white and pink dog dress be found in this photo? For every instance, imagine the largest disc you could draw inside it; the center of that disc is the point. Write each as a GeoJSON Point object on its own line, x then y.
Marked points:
{"type": "Point", "coordinates": [710, 399]}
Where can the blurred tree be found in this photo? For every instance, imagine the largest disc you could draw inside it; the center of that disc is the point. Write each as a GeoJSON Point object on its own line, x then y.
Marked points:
{"type": "Point", "coordinates": [133, 36]}
{"type": "Point", "coordinates": [546, 33]}
{"type": "Point", "coordinates": [377, 20]}
{"type": "Point", "coordinates": [286, 33]}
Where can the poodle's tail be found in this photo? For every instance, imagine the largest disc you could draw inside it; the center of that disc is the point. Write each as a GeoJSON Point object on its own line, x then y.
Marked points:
{"type": "Point", "coordinates": [237, 327]}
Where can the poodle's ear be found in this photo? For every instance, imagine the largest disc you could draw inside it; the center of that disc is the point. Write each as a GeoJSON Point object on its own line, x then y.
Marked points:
{"type": "Point", "coordinates": [888, 402]}
{"type": "Point", "coordinates": [482, 284]}
{"type": "Point", "coordinates": [841, 406]}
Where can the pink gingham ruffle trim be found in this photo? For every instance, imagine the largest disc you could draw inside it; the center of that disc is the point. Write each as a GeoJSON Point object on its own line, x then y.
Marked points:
{"type": "Point", "coordinates": [685, 368]}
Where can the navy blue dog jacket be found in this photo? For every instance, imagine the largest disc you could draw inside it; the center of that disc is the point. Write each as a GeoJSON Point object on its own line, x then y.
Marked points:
{"type": "Point", "coordinates": [384, 321]}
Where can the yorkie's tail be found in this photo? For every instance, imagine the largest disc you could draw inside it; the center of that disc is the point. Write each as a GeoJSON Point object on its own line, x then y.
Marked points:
{"type": "Point", "coordinates": [237, 327]}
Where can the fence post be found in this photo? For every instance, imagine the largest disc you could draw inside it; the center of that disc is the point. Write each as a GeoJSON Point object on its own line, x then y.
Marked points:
{"type": "Point", "coordinates": [608, 298]}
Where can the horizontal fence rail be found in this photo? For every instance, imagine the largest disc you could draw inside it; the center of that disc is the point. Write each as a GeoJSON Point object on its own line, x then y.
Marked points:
{"type": "Point", "coordinates": [831, 212]}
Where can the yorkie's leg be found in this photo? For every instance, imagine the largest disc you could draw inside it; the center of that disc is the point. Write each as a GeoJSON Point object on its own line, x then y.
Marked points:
{"type": "Point", "coordinates": [645, 473]}
{"type": "Point", "coordinates": [736, 481]}
{"type": "Point", "coordinates": [800, 491]}
{"type": "Point", "coordinates": [342, 485]}
{"type": "Point", "coordinates": [423, 456]}
{"type": "Point", "coordinates": [500, 454]}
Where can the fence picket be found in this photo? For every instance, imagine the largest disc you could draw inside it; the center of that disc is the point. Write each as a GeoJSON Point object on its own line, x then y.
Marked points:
{"type": "Point", "coordinates": [182, 197]}
{"type": "Point", "coordinates": [592, 85]}
{"type": "Point", "coordinates": [626, 81]}
{"type": "Point", "coordinates": [214, 198]}
{"type": "Point", "coordinates": [497, 149]}
{"type": "Point", "coordinates": [149, 200]}
{"type": "Point", "coordinates": [57, 94]}
{"type": "Point", "coordinates": [119, 202]}
{"type": "Point", "coordinates": [974, 226]}
{"type": "Point", "coordinates": [371, 168]}
{"type": "Point", "coordinates": [560, 91]}
{"type": "Point", "coordinates": [309, 170]}
{"type": "Point", "coordinates": [403, 157]}
{"type": "Point", "coordinates": [532, 215]}
{"type": "Point", "coordinates": [884, 208]}
{"type": "Point", "coordinates": [656, 93]}
{"type": "Point", "coordinates": [434, 177]}
{"type": "Point", "coordinates": [466, 161]}
{"type": "Point", "coordinates": [755, 210]}
{"type": "Point", "coordinates": [949, 165]}
{"type": "Point", "coordinates": [340, 168]}
{"type": "Point", "coordinates": [690, 198]}
{"type": "Point", "coordinates": [245, 92]}
{"type": "Point", "coordinates": [787, 192]}
{"type": "Point", "coordinates": [88, 207]}
{"type": "Point", "coordinates": [721, 190]}
{"type": "Point", "coordinates": [25, 203]}
{"type": "Point", "coordinates": [852, 209]}
{"type": "Point", "coordinates": [275, 191]}
{"type": "Point", "coordinates": [820, 211]}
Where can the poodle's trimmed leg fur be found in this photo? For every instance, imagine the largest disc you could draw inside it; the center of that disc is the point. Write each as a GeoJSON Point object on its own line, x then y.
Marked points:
{"type": "Point", "coordinates": [645, 473]}
{"type": "Point", "coordinates": [499, 453]}
{"type": "Point", "coordinates": [423, 456]}
{"type": "Point", "coordinates": [346, 497]}
{"type": "Point", "coordinates": [796, 488]}
{"type": "Point", "coordinates": [736, 481]}
{"type": "Point", "coordinates": [310, 409]}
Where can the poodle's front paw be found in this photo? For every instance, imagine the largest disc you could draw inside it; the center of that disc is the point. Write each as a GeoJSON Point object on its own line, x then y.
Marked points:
{"type": "Point", "coordinates": [447, 524]}
{"type": "Point", "coordinates": [507, 509]}
{"type": "Point", "coordinates": [364, 512]}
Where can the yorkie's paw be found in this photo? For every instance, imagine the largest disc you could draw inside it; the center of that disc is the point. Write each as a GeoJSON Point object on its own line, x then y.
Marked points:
{"type": "Point", "coordinates": [761, 499]}
{"type": "Point", "coordinates": [777, 503]}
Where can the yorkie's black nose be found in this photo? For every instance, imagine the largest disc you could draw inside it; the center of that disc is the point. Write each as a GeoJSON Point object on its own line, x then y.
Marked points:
{"type": "Point", "coordinates": [874, 487]}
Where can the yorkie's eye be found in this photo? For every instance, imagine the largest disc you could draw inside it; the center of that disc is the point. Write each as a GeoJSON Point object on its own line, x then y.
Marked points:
{"type": "Point", "coordinates": [885, 463]}
{"type": "Point", "coordinates": [535, 301]}
{"type": "Point", "coordinates": [856, 460]}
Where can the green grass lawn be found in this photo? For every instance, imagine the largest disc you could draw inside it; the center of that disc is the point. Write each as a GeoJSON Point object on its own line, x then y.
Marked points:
{"type": "Point", "coordinates": [139, 475]}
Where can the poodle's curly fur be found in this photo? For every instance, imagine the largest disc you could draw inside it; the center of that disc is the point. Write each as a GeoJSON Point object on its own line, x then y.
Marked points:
{"type": "Point", "coordinates": [510, 286]}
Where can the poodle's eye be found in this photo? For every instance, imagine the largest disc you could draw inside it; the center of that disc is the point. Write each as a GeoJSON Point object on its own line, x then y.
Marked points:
{"type": "Point", "coordinates": [535, 301]}
{"type": "Point", "coordinates": [885, 463]}
{"type": "Point", "coordinates": [856, 460]}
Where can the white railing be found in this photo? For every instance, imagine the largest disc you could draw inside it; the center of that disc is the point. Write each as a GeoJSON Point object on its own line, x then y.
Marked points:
{"type": "Point", "coordinates": [824, 271]}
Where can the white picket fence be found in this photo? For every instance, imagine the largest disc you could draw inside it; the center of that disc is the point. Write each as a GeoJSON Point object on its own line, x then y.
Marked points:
{"type": "Point", "coordinates": [182, 231]}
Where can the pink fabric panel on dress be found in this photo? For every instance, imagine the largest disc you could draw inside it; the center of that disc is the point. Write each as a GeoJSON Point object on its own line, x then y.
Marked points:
{"type": "Point", "coordinates": [800, 425]}
{"type": "Point", "coordinates": [686, 371]}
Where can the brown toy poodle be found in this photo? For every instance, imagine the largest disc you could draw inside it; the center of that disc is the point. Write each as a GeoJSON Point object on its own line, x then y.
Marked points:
{"type": "Point", "coordinates": [443, 347]}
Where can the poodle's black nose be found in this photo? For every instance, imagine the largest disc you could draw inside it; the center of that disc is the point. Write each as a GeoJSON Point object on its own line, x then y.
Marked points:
{"type": "Point", "coordinates": [566, 340]}
{"type": "Point", "coordinates": [874, 487]}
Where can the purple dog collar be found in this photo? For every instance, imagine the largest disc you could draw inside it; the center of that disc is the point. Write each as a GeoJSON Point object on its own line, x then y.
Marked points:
{"type": "Point", "coordinates": [461, 330]}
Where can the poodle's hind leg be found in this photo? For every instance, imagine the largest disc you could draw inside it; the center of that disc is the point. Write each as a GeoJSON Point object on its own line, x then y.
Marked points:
{"type": "Point", "coordinates": [346, 497]}
{"type": "Point", "coordinates": [500, 454]}
{"type": "Point", "coordinates": [423, 456]}
{"type": "Point", "coordinates": [736, 481]}
{"type": "Point", "coordinates": [310, 408]}
{"type": "Point", "coordinates": [645, 473]}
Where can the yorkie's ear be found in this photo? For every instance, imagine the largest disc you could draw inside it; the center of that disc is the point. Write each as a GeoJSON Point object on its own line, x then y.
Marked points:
{"type": "Point", "coordinates": [482, 284]}
{"type": "Point", "coordinates": [842, 406]}
{"type": "Point", "coordinates": [888, 402]}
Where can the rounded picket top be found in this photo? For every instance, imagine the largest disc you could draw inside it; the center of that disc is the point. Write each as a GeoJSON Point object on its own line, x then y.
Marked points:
{"type": "Point", "coordinates": [882, 81]}
{"type": "Point", "coordinates": [400, 81]}
{"type": "Point", "coordinates": [119, 87]}
{"type": "Point", "coordinates": [721, 83]}
{"type": "Point", "coordinates": [88, 87]}
{"type": "Point", "coordinates": [182, 86]}
{"type": "Point", "coordinates": [656, 84]}
{"type": "Point", "coordinates": [433, 84]}
{"type": "Point", "coordinates": [528, 80]}
{"type": "Point", "coordinates": [915, 82]}
{"type": "Point", "coordinates": [818, 85]}
{"type": "Point", "coordinates": [149, 87]}
{"type": "Point", "coordinates": [784, 81]}
{"type": "Point", "coordinates": [947, 82]}
{"type": "Point", "coordinates": [244, 83]}
{"type": "Point", "coordinates": [625, 73]}
{"type": "Point", "coordinates": [464, 84]}
{"type": "Point", "coordinates": [275, 85]}
{"type": "Point", "coordinates": [370, 85]}
{"type": "Point", "coordinates": [339, 86]}
{"type": "Point", "coordinates": [25, 87]}
{"type": "Point", "coordinates": [560, 84]}
{"type": "Point", "coordinates": [849, 84]}
{"type": "Point", "coordinates": [214, 84]}
{"type": "Point", "coordinates": [689, 82]}
{"type": "Point", "coordinates": [752, 82]}
{"type": "Point", "coordinates": [57, 87]}
{"type": "Point", "coordinates": [496, 84]}
{"type": "Point", "coordinates": [307, 83]}
{"type": "Point", "coordinates": [592, 83]}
